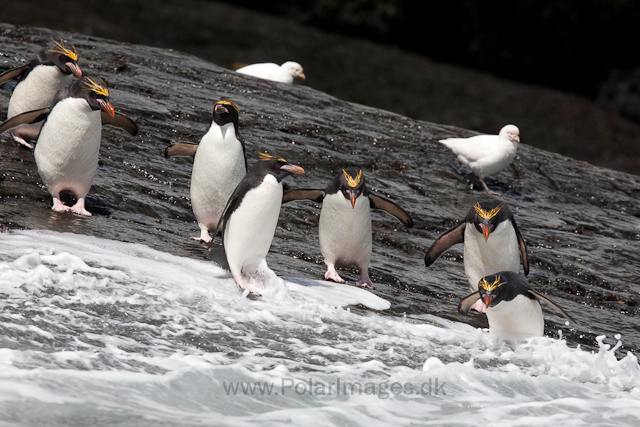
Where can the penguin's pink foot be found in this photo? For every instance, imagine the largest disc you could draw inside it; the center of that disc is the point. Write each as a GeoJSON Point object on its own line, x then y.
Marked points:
{"type": "Point", "coordinates": [364, 280]}
{"type": "Point", "coordinates": [240, 281]}
{"type": "Point", "coordinates": [21, 141]}
{"type": "Point", "coordinates": [79, 209]}
{"type": "Point", "coordinates": [479, 307]}
{"type": "Point", "coordinates": [204, 237]}
{"type": "Point", "coordinates": [332, 274]}
{"type": "Point", "coordinates": [58, 206]}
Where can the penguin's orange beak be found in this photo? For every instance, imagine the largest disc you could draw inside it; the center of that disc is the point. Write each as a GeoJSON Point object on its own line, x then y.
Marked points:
{"type": "Point", "coordinates": [293, 169]}
{"type": "Point", "coordinates": [352, 197]}
{"type": "Point", "coordinates": [107, 107]}
{"type": "Point", "coordinates": [220, 109]}
{"type": "Point", "coordinates": [488, 299]}
{"type": "Point", "coordinates": [485, 231]}
{"type": "Point", "coordinates": [75, 69]}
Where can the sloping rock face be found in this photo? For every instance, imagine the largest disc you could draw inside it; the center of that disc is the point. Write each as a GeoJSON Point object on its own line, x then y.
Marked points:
{"type": "Point", "coordinates": [581, 222]}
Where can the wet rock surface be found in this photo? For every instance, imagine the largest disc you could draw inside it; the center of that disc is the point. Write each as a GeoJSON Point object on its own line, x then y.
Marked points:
{"type": "Point", "coordinates": [581, 222]}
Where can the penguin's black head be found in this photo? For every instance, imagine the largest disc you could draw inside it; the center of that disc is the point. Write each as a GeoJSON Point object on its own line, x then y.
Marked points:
{"type": "Point", "coordinates": [63, 58]}
{"type": "Point", "coordinates": [225, 112]}
{"type": "Point", "coordinates": [95, 92]}
{"type": "Point", "coordinates": [486, 216]}
{"type": "Point", "coordinates": [277, 166]}
{"type": "Point", "coordinates": [351, 184]}
{"type": "Point", "coordinates": [502, 286]}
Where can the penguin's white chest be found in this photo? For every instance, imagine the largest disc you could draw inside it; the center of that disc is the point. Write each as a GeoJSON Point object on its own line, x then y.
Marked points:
{"type": "Point", "coordinates": [251, 227]}
{"type": "Point", "coordinates": [37, 90]}
{"type": "Point", "coordinates": [516, 319]}
{"type": "Point", "coordinates": [499, 253]}
{"type": "Point", "coordinates": [345, 231]}
{"type": "Point", "coordinates": [68, 147]}
{"type": "Point", "coordinates": [218, 168]}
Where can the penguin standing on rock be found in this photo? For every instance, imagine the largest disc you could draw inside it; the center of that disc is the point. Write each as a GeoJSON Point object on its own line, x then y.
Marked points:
{"type": "Point", "coordinates": [492, 242]}
{"type": "Point", "coordinates": [69, 143]}
{"type": "Point", "coordinates": [345, 222]}
{"type": "Point", "coordinates": [513, 307]}
{"type": "Point", "coordinates": [486, 154]}
{"type": "Point", "coordinates": [249, 220]}
{"type": "Point", "coordinates": [47, 72]}
{"type": "Point", "coordinates": [219, 165]}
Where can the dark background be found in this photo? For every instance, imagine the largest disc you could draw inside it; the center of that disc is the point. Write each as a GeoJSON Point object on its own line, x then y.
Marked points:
{"type": "Point", "coordinates": [566, 72]}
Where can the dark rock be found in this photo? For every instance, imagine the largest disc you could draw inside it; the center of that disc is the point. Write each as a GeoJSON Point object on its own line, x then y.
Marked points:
{"type": "Point", "coordinates": [579, 220]}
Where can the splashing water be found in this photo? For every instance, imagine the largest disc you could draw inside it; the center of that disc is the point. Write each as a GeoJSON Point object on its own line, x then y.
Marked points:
{"type": "Point", "coordinates": [121, 333]}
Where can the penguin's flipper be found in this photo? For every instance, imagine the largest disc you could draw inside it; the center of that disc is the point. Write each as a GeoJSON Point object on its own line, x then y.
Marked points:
{"type": "Point", "coordinates": [231, 206]}
{"type": "Point", "coordinates": [303, 194]}
{"type": "Point", "coordinates": [120, 121]}
{"type": "Point", "coordinates": [523, 248]}
{"type": "Point", "coordinates": [444, 242]}
{"type": "Point", "coordinates": [218, 256]}
{"type": "Point", "coordinates": [467, 302]}
{"type": "Point", "coordinates": [552, 304]}
{"type": "Point", "coordinates": [180, 149]}
{"type": "Point", "coordinates": [25, 118]}
{"type": "Point", "coordinates": [391, 208]}
{"type": "Point", "coordinates": [12, 73]}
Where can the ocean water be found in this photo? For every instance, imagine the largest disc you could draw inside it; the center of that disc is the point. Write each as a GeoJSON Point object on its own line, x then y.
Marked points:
{"type": "Point", "coordinates": [101, 332]}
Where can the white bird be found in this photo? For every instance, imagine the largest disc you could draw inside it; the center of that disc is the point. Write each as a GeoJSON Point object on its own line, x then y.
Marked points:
{"type": "Point", "coordinates": [284, 73]}
{"type": "Point", "coordinates": [486, 154]}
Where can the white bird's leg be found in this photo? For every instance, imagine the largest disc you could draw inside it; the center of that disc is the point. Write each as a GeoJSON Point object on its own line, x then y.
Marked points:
{"type": "Point", "coordinates": [332, 274]}
{"type": "Point", "coordinates": [487, 188]}
{"type": "Point", "coordinates": [204, 235]}
{"type": "Point", "coordinates": [58, 206]}
{"type": "Point", "coordinates": [479, 307]}
{"type": "Point", "coordinates": [364, 280]}
{"type": "Point", "coordinates": [79, 208]}
{"type": "Point", "coordinates": [240, 281]}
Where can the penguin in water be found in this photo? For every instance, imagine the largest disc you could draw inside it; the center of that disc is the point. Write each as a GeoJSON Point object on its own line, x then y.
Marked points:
{"type": "Point", "coordinates": [492, 242]}
{"type": "Point", "coordinates": [486, 154]}
{"type": "Point", "coordinates": [219, 164]}
{"type": "Point", "coordinates": [513, 307]}
{"type": "Point", "coordinates": [345, 222]}
{"type": "Point", "coordinates": [250, 217]}
{"type": "Point", "coordinates": [69, 143]}
{"type": "Point", "coordinates": [284, 73]}
{"type": "Point", "coordinates": [45, 74]}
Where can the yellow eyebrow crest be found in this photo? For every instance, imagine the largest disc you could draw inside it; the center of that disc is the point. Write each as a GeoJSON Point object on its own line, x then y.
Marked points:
{"type": "Point", "coordinates": [265, 156]}
{"type": "Point", "coordinates": [229, 103]}
{"type": "Point", "coordinates": [97, 88]}
{"type": "Point", "coordinates": [352, 182]}
{"type": "Point", "coordinates": [484, 214]}
{"type": "Point", "coordinates": [63, 50]}
{"type": "Point", "coordinates": [490, 286]}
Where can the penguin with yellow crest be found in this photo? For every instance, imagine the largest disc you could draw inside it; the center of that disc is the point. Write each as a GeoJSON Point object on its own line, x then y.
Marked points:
{"type": "Point", "coordinates": [50, 70]}
{"type": "Point", "coordinates": [492, 243]}
{"type": "Point", "coordinates": [68, 144]}
{"type": "Point", "coordinates": [345, 222]}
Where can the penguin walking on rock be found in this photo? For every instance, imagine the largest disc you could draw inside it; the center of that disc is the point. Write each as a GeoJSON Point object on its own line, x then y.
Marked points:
{"type": "Point", "coordinates": [219, 164]}
{"type": "Point", "coordinates": [45, 74]}
{"type": "Point", "coordinates": [345, 222]}
{"type": "Point", "coordinates": [513, 307]}
{"type": "Point", "coordinates": [250, 217]}
{"type": "Point", "coordinates": [486, 154]}
{"type": "Point", "coordinates": [492, 243]}
{"type": "Point", "coordinates": [68, 145]}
